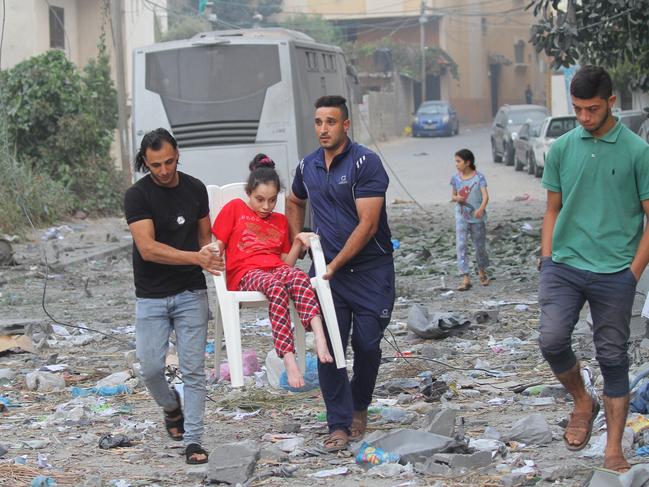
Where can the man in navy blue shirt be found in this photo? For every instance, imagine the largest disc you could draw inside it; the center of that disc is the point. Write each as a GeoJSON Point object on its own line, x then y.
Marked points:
{"type": "Point", "coordinates": [346, 184]}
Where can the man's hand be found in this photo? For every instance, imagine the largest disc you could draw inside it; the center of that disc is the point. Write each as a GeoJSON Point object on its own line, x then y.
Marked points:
{"type": "Point", "coordinates": [305, 239]}
{"type": "Point", "coordinates": [210, 258]}
{"type": "Point", "coordinates": [636, 273]}
{"type": "Point", "coordinates": [329, 274]}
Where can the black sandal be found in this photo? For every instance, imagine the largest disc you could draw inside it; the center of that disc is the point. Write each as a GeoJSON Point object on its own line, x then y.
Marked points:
{"type": "Point", "coordinates": [195, 449]}
{"type": "Point", "coordinates": [175, 419]}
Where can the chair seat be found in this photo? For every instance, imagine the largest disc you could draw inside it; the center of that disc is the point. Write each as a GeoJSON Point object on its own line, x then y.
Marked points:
{"type": "Point", "coordinates": [249, 296]}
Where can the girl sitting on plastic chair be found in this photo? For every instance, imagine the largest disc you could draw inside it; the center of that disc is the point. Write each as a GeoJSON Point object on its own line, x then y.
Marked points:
{"type": "Point", "coordinates": [260, 257]}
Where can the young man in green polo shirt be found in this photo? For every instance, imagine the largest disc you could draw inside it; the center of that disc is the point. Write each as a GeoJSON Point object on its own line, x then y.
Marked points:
{"type": "Point", "coordinates": [593, 249]}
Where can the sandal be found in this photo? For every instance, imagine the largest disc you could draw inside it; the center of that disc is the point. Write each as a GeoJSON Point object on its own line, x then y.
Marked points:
{"type": "Point", "coordinates": [336, 441]}
{"type": "Point", "coordinates": [359, 425]}
{"type": "Point", "coordinates": [581, 423]}
{"type": "Point", "coordinates": [195, 449]}
{"type": "Point", "coordinates": [617, 464]}
{"type": "Point", "coordinates": [175, 420]}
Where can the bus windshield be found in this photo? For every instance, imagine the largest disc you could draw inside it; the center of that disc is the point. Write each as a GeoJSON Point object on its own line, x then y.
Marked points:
{"type": "Point", "coordinates": [212, 84]}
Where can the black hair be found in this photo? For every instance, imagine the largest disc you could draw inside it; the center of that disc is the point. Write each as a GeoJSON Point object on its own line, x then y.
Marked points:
{"type": "Point", "coordinates": [262, 171]}
{"type": "Point", "coordinates": [334, 101]}
{"type": "Point", "coordinates": [467, 156]}
{"type": "Point", "coordinates": [152, 140]}
{"type": "Point", "coordinates": [591, 81]}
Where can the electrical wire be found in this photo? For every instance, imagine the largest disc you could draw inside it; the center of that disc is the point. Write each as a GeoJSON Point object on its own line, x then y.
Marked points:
{"type": "Point", "coordinates": [2, 28]}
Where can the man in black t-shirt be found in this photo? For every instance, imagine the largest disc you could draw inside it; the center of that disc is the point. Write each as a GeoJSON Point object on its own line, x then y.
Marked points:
{"type": "Point", "coordinates": [168, 214]}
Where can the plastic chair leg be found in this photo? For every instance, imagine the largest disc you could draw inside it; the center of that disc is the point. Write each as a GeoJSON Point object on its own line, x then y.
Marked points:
{"type": "Point", "coordinates": [218, 339]}
{"type": "Point", "coordinates": [299, 335]}
{"type": "Point", "coordinates": [232, 333]}
{"type": "Point", "coordinates": [331, 320]}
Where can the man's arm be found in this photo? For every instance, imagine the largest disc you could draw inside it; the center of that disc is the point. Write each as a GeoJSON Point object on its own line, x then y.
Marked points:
{"type": "Point", "coordinates": [204, 231]}
{"type": "Point", "coordinates": [143, 232]}
{"type": "Point", "coordinates": [552, 210]}
{"type": "Point", "coordinates": [295, 212]}
{"type": "Point", "coordinates": [641, 258]}
{"type": "Point", "coordinates": [369, 214]}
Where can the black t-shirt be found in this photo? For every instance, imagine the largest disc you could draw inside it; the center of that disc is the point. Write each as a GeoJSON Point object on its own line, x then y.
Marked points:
{"type": "Point", "coordinates": [175, 213]}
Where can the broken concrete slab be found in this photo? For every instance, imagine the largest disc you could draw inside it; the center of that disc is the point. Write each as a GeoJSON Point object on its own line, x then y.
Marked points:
{"type": "Point", "coordinates": [438, 326]}
{"type": "Point", "coordinates": [233, 463]}
{"type": "Point", "coordinates": [458, 460]}
{"type": "Point", "coordinates": [44, 382]}
{"type": "Point", "coordinates": [440, 422]}
{"type": "Point", "coordinates": [411, 445]}
{"type": "Point", "coordinates": [431, 467]}
{"type": "Point", "coordinates": [532, 429]}
{"type": "Point", "coordinates": [603, 478]}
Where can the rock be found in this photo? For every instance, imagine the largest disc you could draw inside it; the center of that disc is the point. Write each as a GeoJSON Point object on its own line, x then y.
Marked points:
{"type": "Point", "coordinates": [440, 422]}
{"type": "Point", "coordinates": [115, 379]}
{"type": "Point", "coordinates": [411, 445]}
{"type": "Point", "coordinates": [531, 429]}
{"type": "Point", "coordinates": [271, 453]}
{"type": "Point", "coordinates": [431, 467]}
{"type": "Point", "coordinates": [3, 450]}
{"type": "Point", "coordinates": [458, 460]}
{"type": "Point", "coordinates": [395, 386]}
{"type": "Point", "coordinates": [290, 427]}
{"type": "Point", "coordinates": [439, 326]}
{"type": "Point", "coordinates": [7, 374]}
{"type": "Point", "coordinates": [557, 472]}
{"type": "Point", "coordinates": [290, 444]}
{"type": "Point", "coordinates": [233, 463]}
{"type": "Point", "coordinates": [556, 390]}
{"type": "Point", "coordinates": [44, 382]}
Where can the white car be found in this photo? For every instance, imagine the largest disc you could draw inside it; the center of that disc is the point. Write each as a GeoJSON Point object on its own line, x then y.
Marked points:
{"type": "Point", "coordinates": [551, 129]}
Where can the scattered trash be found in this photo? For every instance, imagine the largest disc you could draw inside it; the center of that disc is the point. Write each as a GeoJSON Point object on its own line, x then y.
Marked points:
{"type": "Point", "coordinates": [100, 391]}
{"type": "Point", "coordinates": [368, 454]}
{"type": "Point", "coordinates": [114, 441]}
{"type": "Point", "coordinates": [323, 474]}
{"type": "Point", "coordinates": [250, 365]}
{"type": "Point", "coordinates": [311, 380]}
{"type": "Point", "coordinates": [116, 379]}
{"type": "Point", "coordinates": [396, 244]}
{"type": "Point", "coordinates": [43, 481]}
{"type": "Point", "coordinates": [437, 326]}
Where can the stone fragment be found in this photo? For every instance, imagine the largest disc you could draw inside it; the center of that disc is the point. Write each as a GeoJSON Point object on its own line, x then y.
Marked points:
{"type": "Point", "coordinates": [531, 429]}
{"type": "Point", "coordinates": [457, 460]}
{"type": "Point", "coordinates": [44, 382]}
{"type": "Point", "coordinates": [290, 427]}
{"type": "Point", "coordinates": [557, 472]}
{"type": "Point", "coordinates": [440, 422]}
{"type": "Point", "coordinates": [271, 453]}
{"type": "Point", "coordinates": [7, 374]}
{"type": "Point", "coordinates": [233, 463]}
{"type": "Point", "coordinates": [411, 445]}
{"type": "Point", "coordinates": [431, 467]}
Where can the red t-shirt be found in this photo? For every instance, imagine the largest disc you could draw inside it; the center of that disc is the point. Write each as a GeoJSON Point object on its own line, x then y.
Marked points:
{"type": "Point", "coordinates": [250, 242]}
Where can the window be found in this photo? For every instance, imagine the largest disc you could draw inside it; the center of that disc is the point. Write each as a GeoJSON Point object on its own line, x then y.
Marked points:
{"type": "Point", "coordinates": [519, 52]}
{"type": "Point", "coordinates": [57, 28]}
{"type": "Point", "coordinates": [311, 61]}
{"type": "Point", "coordinates": [329, 62]}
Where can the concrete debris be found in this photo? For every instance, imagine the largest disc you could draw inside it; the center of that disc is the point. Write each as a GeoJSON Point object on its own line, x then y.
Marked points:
{"type": "Point", "coordinates": [438, 325]}
{"type": "Point", "coordinates": [464, 461]}
{"type": "Point", "coordinates": [532, 430]}
{"type": "Point", "coordinates": [440, 421]}
{"type": "Point", "coordinates": [411, 445]}
{"type": "Point", "coordinates": [233, 463]}
{"type": "Point", "coordinates": [44, 382]}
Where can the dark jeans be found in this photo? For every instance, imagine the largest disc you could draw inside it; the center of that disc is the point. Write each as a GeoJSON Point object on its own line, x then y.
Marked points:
{"type": "Point", "coordinates": [563, 290]}
{"type": "Point", "coordinates": [363, 298]}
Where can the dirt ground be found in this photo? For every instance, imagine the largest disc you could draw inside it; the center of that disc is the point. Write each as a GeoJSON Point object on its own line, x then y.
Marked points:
{"type": "Point", "coordinates": [89, 283]}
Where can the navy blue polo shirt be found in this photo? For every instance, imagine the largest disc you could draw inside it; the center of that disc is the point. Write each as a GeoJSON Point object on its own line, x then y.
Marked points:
{"type": "Point", "coordinates": [357, 172]}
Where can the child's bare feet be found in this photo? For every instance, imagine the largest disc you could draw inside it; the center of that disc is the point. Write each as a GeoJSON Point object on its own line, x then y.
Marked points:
{"type": "Point", "coordinates": [293, 374]}
{"type": "Point", "coordinates": [321, 348]}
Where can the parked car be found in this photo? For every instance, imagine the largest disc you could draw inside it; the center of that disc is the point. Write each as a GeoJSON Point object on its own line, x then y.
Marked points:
{"type": "Point", "coordinates": [644, 130]}
{"type": "Point", "coordinates": [435, 118]}
{"type": "Point", "coordinates": [631, 118]}
{"type": "Point", "coordinates": [506, 125]}
{"type": "Point", "coordinates": [551, 129]}
{"type": "Point", "coordinates": [523, 150]}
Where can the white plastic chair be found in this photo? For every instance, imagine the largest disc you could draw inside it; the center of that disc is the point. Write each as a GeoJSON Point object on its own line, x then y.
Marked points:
{"type": "Point", "coordinates": [228, 302]}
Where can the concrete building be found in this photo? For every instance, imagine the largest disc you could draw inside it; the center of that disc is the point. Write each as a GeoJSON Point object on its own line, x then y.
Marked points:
{"type": "Point", "coordinates": [487, 39]}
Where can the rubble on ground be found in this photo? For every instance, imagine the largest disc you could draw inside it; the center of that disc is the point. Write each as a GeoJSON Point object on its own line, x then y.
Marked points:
{"type": "Point", "coordinates": [463, 397]}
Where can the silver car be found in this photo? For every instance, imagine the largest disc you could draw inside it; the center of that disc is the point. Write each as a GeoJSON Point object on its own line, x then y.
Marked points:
{"type": "Point", "coordinates": [551, 129]}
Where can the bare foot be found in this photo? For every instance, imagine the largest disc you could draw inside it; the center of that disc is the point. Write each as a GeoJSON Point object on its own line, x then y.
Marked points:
{"type": "Point", "coordinates": [295, 378]}
{"type": "Point", "coordinates": [321, 348]}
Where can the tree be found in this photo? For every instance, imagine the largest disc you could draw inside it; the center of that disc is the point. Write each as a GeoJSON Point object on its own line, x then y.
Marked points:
{"type": "Point", "coordinates": [611, 33]}
{"type": "Point", "coordinates": [315, 26]}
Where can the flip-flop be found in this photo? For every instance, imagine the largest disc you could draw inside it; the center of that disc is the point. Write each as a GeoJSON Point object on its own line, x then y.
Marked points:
{"type": "Point", "coordinates": [617, 464]}
{"type": "Point", "coordinates": [195, 449]}
{"type": "Point", "coordinates": [581, 423]}
{"type": "Point", "coordinates": [175, 419]}
{"type": "Point", "coordinates": [336, 441]}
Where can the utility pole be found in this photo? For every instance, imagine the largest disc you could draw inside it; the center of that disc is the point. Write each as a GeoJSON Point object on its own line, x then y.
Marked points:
{"type": "Point", "coordinates": [122, 119]}
{"type": "Point", "coordinates": [422, 48]}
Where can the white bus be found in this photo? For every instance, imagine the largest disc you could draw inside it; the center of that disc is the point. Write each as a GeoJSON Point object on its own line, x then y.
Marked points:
{"type": "Point", "coordinates": [228, 95]}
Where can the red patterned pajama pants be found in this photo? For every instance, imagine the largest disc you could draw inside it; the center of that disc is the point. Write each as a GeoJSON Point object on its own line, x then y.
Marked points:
{"type": "Point", "coordinates": [279, 285]}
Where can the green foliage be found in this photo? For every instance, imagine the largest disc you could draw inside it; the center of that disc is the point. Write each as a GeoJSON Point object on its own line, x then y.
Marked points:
{"type": "Point", "coordinates": [315, 26]}
{"type": "Point", "coordinates": [185, 27]}
{"type": "Point", "coordinates": [406, 58]}
{"type": "Point", "coordinates": [60, 123]}
{"type": "Point", "coordinates": [611, 33]}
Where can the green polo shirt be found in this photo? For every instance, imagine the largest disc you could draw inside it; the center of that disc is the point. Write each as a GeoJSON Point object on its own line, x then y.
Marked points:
{"type": "Point", "coordinates": [602, 182]}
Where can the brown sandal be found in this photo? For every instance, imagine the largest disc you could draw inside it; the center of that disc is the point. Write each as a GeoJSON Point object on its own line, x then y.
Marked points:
{"type": "Point", "coordinates": [617, 464]}
{"type": "Point", "coordinates": [336, 441]}
{"type": "Point", "coordinates": [359, 424]}
{"type": "Point", "coordinates": [581, 423]}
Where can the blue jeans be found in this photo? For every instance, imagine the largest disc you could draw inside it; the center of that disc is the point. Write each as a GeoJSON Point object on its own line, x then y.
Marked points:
{"type": "Point", "coordinates": [478, 234]}
{"type": "Point", "coordinates": [186, 314]}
